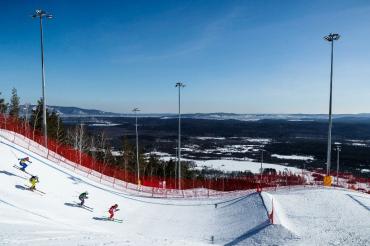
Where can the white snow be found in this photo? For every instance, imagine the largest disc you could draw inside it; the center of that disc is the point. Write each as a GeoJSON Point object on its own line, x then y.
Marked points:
{"type": "Point", "coordinates": [323, 216]}
{"type": "Point", "coordinates": [258, 140]}
{"type": "Point", "coordinates": [237, 148]}
{"type": "Point", "coordinates": [294, 157]}
{"type": "Point", "coordinates": [358, 144]}
{"type": "Point", "coordinates": [157, 153]}
{"type": "Point", "coordinates": [211, 138]}
{"type": "Point", "coordinates": [104, 124]}
{"type": "Point", "coordinates": [237, 165]}
{"type": "Point", "coordinates": [27, 218]}
{"type": "Point", "coordinates": [305, 216]}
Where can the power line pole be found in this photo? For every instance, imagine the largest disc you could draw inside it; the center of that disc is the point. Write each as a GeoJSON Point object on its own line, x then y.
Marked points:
{"type": "Point", "coordinates": [135, 110]}
{"type": "Point", "coordinates": [42, 14]}
{"type": "Point", "coordinates": [330, 38]}
{"type": "Point", "coordinates": [179, 85]}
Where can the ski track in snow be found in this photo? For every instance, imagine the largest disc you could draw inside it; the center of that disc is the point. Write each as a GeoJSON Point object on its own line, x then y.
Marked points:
{"type": "Point", "coordinates": [324, 216]}
{"type": "Point", "coordinates": [304, 216]}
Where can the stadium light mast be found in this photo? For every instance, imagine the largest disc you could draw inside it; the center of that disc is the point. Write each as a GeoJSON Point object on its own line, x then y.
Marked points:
{"type": "Point", "coordinates": [135, 110]}
{"type": "Point", "coordinates": [338, 150]}
{"type": "Point", "coordinates": [179, 85]}
{"type": "Point", "coordinates": [261, 170]}
{"type": "Point", "coordinates": [43, 14]}
{"type": "Point", "coordinates": [330, 38]}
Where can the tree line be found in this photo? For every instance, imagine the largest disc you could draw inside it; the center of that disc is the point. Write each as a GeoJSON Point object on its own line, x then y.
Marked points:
{"type": "Point", "coordinates": [98, 145]}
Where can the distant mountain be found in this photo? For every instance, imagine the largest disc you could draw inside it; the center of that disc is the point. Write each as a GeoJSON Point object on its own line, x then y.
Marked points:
{"type": "Point", "coordinates": [288, 117]}
{"type": "Point", "coordinates": [80, 112]}
{"type": "Point", "coordinates": [71, 111]}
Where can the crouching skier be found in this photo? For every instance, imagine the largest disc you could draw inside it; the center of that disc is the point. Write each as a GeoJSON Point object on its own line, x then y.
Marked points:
{"type": "Point", "coordinates": [82, 197]}
{"type": "Point", "coordinates": [23, 163]}
{"type": "Point", "coordinates": [33, 180]}
{"type": "Point", "coordinates": [111, 211]}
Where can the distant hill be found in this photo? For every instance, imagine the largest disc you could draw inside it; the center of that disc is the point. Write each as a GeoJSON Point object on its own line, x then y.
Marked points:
{"type": "Point", "coordinates": [80, 112]}
{"type": "Point", "coordinates": [71, 111]}
{"type": "Point", "coordinates": [289, 117]}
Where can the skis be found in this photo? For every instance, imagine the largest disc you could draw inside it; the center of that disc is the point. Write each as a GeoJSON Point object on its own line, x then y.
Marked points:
{"type": "Point", "coordinates": [22, 170]}
{"type": "Point", "coordinates": [26, 187]}
{"type": "Point", "coordinates": [116, 220]}
{"type": "Point", "coordinates": [77, 205]}
{"type": "Point", "coordinates": [84, 207]}
{"type": "Point", "coordinates": [107, 219]}
{"type": "Point", "coordinates": [39, 191]}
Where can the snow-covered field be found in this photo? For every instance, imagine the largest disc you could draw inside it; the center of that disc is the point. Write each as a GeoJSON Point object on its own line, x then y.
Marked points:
{"type": "Point", "coordinates": [294, 157]}
{"type": "Point", "coordinates": [238, 166]}
{"type": "Point", "coordinates": [226, 149]}
{"type": "Point", "coordinates": [304, 216]}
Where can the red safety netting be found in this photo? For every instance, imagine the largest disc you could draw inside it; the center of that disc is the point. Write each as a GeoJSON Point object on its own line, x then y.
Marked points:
{"type": "Point", "coordinates": [106, 172]}
{"type": "Point", "coordinates": [343, 179]}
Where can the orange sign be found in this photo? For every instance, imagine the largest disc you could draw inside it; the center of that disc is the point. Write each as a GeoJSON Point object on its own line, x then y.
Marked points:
{"type": "Point", "coordinates": [328, 180]}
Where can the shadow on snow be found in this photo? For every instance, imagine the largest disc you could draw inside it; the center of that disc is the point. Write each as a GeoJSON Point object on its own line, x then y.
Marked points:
{"type": "Point", "coordinates": [367, 207]}
{"type": "Point", "coordinates": [249, 233]}
{"type": "Point", "coordinates": [21, 187]}
{"type": "Point", "coordinates": [11, 174]}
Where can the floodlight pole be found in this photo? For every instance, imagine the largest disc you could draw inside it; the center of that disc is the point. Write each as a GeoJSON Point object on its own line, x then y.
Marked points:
{"type": "Point", "coordinates": [81, 139]}
{"type": "Point", "coordinates": [179, 85]}
{"type": "Point", "coordinates": [135, 110]}
{"type": "Point", "coordinates": [338, 150]}
{"type": "Point", "coordinates": [41, 14]}
{"type": "Point", "coordinates": [330, 38]}
{"type": "Point", "coordinates": [261, 164]}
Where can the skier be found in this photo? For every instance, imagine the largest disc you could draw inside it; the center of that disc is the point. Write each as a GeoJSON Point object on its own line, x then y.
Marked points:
{"type": "Point", "coordinates": [33, 180]}
{"type": "Point", "coordinates": [82, 197]}
{"type": "Point", "coordinates": [23, 163]}
{"type": "Point", "coordinates": [113, 209]}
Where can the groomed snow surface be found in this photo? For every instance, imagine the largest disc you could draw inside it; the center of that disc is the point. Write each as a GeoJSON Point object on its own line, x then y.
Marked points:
{"type": "Point", "coordinates": [304, 216]}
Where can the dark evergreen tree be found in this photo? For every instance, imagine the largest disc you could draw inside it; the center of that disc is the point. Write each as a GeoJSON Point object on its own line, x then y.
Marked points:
{"type": "Point", "coordinates": [14, 104]}
{"type": "Point", "coordinates": [36, 117]}
{"type": "Point", "coordinates": [55, 125]}
{"type": "Point", "coordinates": [128, 155]}
{"type": "Point", "coordinates": [3, 106]}
{"type": "Point", "coordinates": [155, 166]}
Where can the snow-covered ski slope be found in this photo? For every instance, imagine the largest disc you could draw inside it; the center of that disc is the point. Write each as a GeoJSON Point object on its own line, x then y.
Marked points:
{"type": "Point", "coordinates": [304, 216]}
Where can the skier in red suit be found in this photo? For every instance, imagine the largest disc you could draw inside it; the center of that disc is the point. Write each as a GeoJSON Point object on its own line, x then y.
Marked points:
{"type": "Point", "coordinates": [111, 211]}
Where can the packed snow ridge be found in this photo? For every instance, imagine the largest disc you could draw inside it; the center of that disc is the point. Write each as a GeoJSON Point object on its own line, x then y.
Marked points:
{"type": "Point", "coordinates": [302, 216]}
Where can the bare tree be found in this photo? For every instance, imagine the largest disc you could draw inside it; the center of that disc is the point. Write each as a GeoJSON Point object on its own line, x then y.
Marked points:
{"type": "Point", "coordinates": [59, 134]}
{"type": "Point", "coordinates": [35, 123]}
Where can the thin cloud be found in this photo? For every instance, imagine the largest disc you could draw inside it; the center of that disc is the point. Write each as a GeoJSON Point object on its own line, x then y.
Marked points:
{"type": "Point", "coordinates": [211, 32]}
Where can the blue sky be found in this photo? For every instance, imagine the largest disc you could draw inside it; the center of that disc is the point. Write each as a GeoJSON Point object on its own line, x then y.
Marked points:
{"type": "Point", "coordinates": [234, 56]}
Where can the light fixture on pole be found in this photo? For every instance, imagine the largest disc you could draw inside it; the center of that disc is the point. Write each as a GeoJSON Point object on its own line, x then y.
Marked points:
{"type": "Point", "coordinates": [43, 14]}
{"type": "Point", "coordinates": [330, 38]}
{"type": "Point", "coordinates": [135, 110]}
{"type": "Point", "coordinates": [179, 85]}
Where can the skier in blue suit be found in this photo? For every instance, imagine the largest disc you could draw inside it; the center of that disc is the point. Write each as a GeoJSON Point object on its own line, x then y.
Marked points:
{"type": "Point", "coordinates": [23, 163]}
